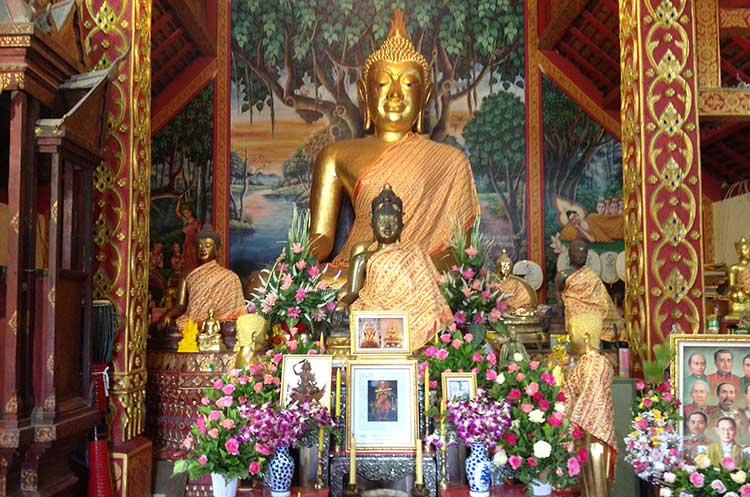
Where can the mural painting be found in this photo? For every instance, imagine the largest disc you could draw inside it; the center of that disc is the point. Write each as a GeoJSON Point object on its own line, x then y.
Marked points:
{"type": "Point", "coordinates": [294, 70]}
{"type": "Point", "coordinates": [582, 189]}
{"type": "Point", "coordinates": [181, 193]}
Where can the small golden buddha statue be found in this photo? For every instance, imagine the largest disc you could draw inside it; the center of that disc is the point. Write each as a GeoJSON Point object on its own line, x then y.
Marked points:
{"type": "Point", "coordinates": [209, 339]}
{"type": "Point", "coordinates": [435, 178]}
{"type": "Point", "coordinates": [588, 389]}
{"type": "Point", "coordinates": [387, 277]}
{"type": "Point", "coordinates": [522, 300]}
{"type": "Point", "coordinates": [251, 339]}
{"type": "Point", "coordinates": [739, 281]}
{"type": "Point", "coordinates": [209, 286]}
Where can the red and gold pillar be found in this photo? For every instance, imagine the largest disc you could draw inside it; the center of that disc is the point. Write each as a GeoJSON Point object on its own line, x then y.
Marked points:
{"type": "Point", "coordinates": [661, 171]}
{"type": "Point", "coordinates": [122, 29]}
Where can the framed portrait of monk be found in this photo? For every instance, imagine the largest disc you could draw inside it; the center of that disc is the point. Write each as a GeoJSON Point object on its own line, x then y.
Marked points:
{"type": "Point", "coordinates": [379, 333]}
{"type": "Point", "coordinates": [306, 377]}
{"type": "Point", "coordinates": [459, 386]}
{"type": "Point", "coordinates": [711, 377]}
{"type": "Point", "coordinates": [381, 405]}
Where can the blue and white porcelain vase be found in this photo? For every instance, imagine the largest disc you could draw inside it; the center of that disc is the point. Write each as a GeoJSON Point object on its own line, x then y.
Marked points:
{"type": "Point", "coordinates": [539, 489]}
{"type": "Point", "coordinates": [281, 469]}
{"type": "Point", "coordinates": [223, 487]}
{"type": "Point", "coordinates": [478, 471]}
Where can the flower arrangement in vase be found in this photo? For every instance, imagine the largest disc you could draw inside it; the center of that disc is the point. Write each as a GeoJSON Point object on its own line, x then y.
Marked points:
{"type": "Point", "coordinates": [704, 479]}
{"type": "Point", "coordinates": [293, 296]}
{"type": "Point", "coordinates": [470, 288]}
{"type": "Point", "coordinates": [652, 446]}
{"type": "Point", "coordinates": [539, 446]}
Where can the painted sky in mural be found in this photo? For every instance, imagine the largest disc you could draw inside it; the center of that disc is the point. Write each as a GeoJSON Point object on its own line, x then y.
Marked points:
{"type": "Point", "coordinates": [294, 69]}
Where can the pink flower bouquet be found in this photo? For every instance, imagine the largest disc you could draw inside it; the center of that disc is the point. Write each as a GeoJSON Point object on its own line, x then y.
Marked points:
{"type": "Point", "coordinates": [704, 479]}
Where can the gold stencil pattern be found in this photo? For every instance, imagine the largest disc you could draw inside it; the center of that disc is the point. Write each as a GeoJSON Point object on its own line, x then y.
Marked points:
{"type": "Point", "coordinates": [707, 42]}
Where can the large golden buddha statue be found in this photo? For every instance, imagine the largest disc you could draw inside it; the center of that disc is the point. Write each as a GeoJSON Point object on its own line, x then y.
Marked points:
{"type": "Point", "coordinates": [434, 179]}
{"type": "Point", "coordinates": [739, 281]}
{"type": "Point", "coordinates": [588, 390]}
{"type": "Point", "coordinates": [208, 286]}
{"type": "Point", "coordinates": [385, 276]}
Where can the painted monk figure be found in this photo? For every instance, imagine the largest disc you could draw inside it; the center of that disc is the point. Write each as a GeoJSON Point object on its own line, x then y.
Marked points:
{"type": "Point", "coordinates": [434, 179]}
{"type": "Point", "coordinates": [739, 281]}
{"type": "Point", "coordinates": [209, 286]}
{"type": "Point", "coordinates": [588, 390]}
{"type": "Point", "coordinates": [388, 277]}
{"type": "Point", "coordinates": [580, 291]}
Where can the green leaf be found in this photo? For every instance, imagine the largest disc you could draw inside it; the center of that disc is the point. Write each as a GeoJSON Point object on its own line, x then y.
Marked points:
{"type": "Point", "coordinates": [180, 466]}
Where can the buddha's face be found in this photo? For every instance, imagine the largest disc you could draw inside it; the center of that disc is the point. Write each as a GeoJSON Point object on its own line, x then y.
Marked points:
{"type": "Point", "coordinates": [505, 268]}
{"type": "Point", "coordinates": [743, 249]}
{"type": "Point", "coordinates": [578, 342]}
{"type": "Point", "coordinates": [394, 95]}
{"type": "Point", "coordinates": [206, 248]}
{"type": "Point", "coordinates": [578, 253]}
{"type": "Point", "coordinates": [386, 227]}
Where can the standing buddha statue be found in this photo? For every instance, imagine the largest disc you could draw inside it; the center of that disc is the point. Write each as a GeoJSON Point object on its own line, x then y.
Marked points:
{"type": "Point", "coordinates": [434, 179]}
{"type": "Point", "coordinates": [588, 391]}
{"type": "Point", "coordinates": [739, 281]}
{"type": "Point", "coordinates": [388, 277]}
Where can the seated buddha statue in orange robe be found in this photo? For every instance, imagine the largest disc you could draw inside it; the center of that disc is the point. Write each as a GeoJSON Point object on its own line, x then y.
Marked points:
{"type": "Point", "coordinates": [385, 276]}
{"type": "Point", "coordinates": [433, 179]}
{"type": "Point", "coordinates": [521, 298]}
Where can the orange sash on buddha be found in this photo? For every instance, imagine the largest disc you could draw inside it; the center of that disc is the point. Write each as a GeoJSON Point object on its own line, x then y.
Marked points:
{"type": "Point", "coordinates": [589, 400]}
{"type": "Point", "coordinates": [434, 182]}
{"type": "Point", "coordinates": [743, 279]}
{"type": "Point", "coordinates": [519, 297]}
{"type": "Point", "coordinates": [584, 293]}
{"type": "Point", "coordinates": [401, 280]}
{"type": "Point", "coordinates": [211, 286]}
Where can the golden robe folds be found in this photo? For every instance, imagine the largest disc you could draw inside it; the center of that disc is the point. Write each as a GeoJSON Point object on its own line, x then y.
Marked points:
{"type": "Point", "coordinates": [584, 293]}
{"type": "Point", "coordinates": [210, 286]}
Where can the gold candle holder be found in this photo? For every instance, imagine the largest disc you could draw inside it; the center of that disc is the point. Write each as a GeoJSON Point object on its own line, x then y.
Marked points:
{"type": "Point", "coordinates": [319, 484]}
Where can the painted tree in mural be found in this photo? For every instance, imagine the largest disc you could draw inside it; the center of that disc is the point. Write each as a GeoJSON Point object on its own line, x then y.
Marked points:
{"type": "Point", "coordinates": [181, 164]}
{"type": "Point", "coordinates": [570, 140]}
{"type": "Point", "coordinates": [496, 142]}
{"type": "Point", "coordinates": [308, 53]}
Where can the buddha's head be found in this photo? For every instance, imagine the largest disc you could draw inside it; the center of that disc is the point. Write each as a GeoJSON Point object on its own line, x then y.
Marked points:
{"type": "Point", "coordinates": [251, 330]}
{"type": "Point", "coordinates": [743, 248]}
{"type": "Point", "coordinates": [387, 216]}
{"type": "Point", "coordinates": [504, 264]}
{"type": "Point", "coordinates": [207, 244]}
{"type": "Point", "coordinates": [578, 252]}
{"type": "Point", "coordinates": [585, 331]}
{"type": "Point", "coordinates": [395, 84]}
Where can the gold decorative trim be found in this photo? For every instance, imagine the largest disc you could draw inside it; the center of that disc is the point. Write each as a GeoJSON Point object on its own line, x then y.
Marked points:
{"type": "Point", "coordinates": [13, 322]}
{"type": "Point", "coordinates": [14, 222]}
{"type": "Point", "coordinates": [176, 103]}
{"type": "Point", "coordinates": [707, 40]}
{"type": "Point", "coordinates": [11, 406]}
{"type": "Point", "coordinates": [738, 18]}
{"type": "Point", "coordinates": [724, 102]}
{"type": "Point", "coordinates": [222, 95]}
{"type": "Point", "coordinates": [9, 41]}
{"type": "Point", "coordinates": [29, 480]}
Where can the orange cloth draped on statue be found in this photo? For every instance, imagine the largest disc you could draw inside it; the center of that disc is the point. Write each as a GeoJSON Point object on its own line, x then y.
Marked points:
{"type": "Point", "coordinates": [743, 279]}
{"type": "Point", "coordinates": [210, 286]}
{"type": "Point", "coordinates": [584, 293]}
{"type": "Point", "coordinates": [434, 181]}
{"type": "Point", "coordinates": [519, 294]}
{"type": "Point", "coordinates": [401, 280]}
{"type": "Point", "coordinates": [589, 405]}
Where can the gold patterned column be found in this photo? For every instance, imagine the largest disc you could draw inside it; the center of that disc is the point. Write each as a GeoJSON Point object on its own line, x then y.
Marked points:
{"type": "Point", "coordinates": [113, 29]}
{"type": "Point", "coordinates": [707, 43]}
{"type": "Point", "coordinates": [661, 171]}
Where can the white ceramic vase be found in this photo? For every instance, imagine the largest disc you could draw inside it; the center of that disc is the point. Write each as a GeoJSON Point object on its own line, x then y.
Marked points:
{"type": "Point", "coordinates": [222, 487]}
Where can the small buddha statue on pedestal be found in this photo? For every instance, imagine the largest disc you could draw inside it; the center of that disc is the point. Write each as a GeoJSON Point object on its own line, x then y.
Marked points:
{"type": "Point", "coordinates": [588, 390]}
{"type": "Point", "coordinates": [387, 277]}
{"type": "Point", "coordinates": [251, 339]}
{"type": "Point", "coordinates": [739, 281]}
{"type": "Point", "coordinates": [521, 316]}
{"type": "Point", "coordinates": [209, 339]}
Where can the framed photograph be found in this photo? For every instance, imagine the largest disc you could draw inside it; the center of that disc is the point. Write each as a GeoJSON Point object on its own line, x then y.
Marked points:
{"type": "Point", "coordinates": [306, 377]}
{"type": "Point", "coordinates": [711, 377]}
{"type": "Point", "coordinates": [381, 405]}
{"type": "Point", "coordinates": [379, 333]}
{"type": "Point", "coordinates": [459, 386]}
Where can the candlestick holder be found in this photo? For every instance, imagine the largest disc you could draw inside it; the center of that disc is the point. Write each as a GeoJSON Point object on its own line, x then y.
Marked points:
{"type": "Point", "coordinates": [351, 490]}
{"type": "Point", "coordinates": [419, 490]}
{"type": "Point", "coordinates": [443, 472]}
{"type": "Point", "coordinates": [319, 484]}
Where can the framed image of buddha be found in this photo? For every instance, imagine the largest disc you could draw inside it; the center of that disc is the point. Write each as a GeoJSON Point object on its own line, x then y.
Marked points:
{"type": "Point", "coordinates": [379, 333]}
{"type": "Point", "coordinates": [711, 375]}
{"type": "Point", "coordinates": [459, 386]}
{"type": "Point", "coordinates": [381, 405]}
{"type": "Point", "coordinates": [306, 377]}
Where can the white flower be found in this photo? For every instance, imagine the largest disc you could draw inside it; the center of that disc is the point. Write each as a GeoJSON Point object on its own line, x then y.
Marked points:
{"type": "Point", "coordinates": [560, 406]}
{"type": "Point", "coordinates": [668, 477]}
{"type": "Point", "coordinates": [517, 357]}
{"type": "Point", "coordinates": [536, 416]}
{"type": "Point", "coordinates": [665, 492]}
{"type": "Point", "coordinates": [738, 477]}
{"type": "Point", "coordinates": [702, 461]}
{"type": "Point", "coordinates": [500, 458]}
{"type": "Point", "coordinates": [542, 449]}
{"type": "Point", "coordinates": [500, 379]}
{"type": "Point", "coordinates": [515, 424]}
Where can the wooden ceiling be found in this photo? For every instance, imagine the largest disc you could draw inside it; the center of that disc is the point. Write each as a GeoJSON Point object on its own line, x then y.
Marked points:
{"type": "Point", "coordinates": [586, 34]}
{"type": "Point", "coordinates": [179, 35]}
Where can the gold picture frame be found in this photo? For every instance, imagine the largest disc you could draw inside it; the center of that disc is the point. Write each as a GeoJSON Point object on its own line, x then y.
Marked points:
{"type": "Point", "coordinates": [320, 366]}
{"type": "Point", "coordinates": [382, 333]}
{"type": "Point", "coordinates": [381, 405]}
{"type": "Point", "coordinates": [459, 386]}
{"type": "Point", "coordinates": [716, 361]}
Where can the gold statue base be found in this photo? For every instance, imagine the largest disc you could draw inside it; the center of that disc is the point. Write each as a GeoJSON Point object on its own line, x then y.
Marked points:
{"type": "Point", "coordinates": [339, 347]}
{"type": "Point", "coordinates": [527, 329]}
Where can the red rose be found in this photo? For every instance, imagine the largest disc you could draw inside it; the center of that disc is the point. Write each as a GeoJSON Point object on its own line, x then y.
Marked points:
{"type": "Point", "coordinates": [510, 438]}
{"type": "Point", "coordinates": [561, 396]}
